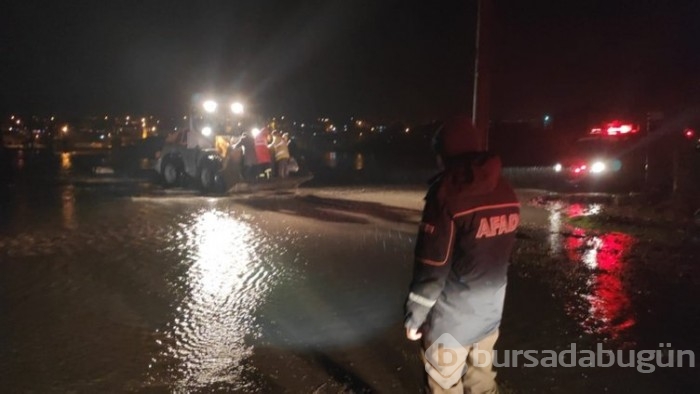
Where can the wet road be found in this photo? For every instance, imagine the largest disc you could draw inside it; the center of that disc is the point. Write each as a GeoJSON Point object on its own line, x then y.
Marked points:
{"type": "Point", "coordinates": [127, 288]}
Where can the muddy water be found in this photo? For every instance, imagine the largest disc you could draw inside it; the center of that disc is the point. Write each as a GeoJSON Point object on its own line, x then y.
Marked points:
{"type": "Point", "coordinates": [183, 292]}
{"type": "Point", "coordinates": [110, 287]}
{"type": "Point", "coordinates": [601, 303]}
{"type": "Point", "coordinates": [618, 287]}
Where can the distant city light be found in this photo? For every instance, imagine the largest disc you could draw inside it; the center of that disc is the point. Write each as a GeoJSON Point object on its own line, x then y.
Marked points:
{"type": "Point", "coordinates": [153, 128]}
{"type": "Point", "coordinates": [52, 118]}
{"type": "Point", "coordinates": [407, 130]}
{"type": "Point", "coordinates": [546, 118]}
{"type": "Point", "coordinates": [557, 167]}
{"type": "Point", "coordinates": [64, 129]}
{"type": "Point", "coordinates": [206, 131]}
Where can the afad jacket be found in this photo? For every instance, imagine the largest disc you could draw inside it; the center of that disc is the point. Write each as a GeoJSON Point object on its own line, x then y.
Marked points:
{"type": "Point", "coordinates": [462, 252]}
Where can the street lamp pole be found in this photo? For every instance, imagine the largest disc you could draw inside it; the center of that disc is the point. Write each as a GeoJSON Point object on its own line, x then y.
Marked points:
{"type": "Point", "coordinates": [482, 76]}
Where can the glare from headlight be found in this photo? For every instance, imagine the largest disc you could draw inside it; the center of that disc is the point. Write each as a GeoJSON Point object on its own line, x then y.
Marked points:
{"type": "Point", "coordinates": [206, 131]}
{"type": "Point", "coordinates": [557, 167]}
{"type": "Point", "coordinates": [598, 167]}
{"type": "Point", "coordinates": [237, 108]}
{"type": "Point", "coordinates": [210, 106]}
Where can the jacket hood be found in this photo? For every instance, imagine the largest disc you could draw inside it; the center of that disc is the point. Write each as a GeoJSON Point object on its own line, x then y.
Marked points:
{"type": "Point", "coordinates": [469, 177]}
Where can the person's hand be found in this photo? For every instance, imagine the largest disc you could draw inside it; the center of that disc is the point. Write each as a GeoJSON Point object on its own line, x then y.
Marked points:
{"type": "Point", "coordinates": [412, 334]}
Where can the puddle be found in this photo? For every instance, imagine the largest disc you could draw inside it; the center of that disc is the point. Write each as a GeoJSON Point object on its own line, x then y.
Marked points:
{"type": "Point", "coordinates": [599, 300]}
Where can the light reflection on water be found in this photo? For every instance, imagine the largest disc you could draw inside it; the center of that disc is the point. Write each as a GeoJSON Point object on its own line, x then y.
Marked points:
{"type": "Point", "coordinates": [66, 161]}
{"type": "Point", "coordinates": [602, 304]}
{"type": "Point", "coordinates": [225, 281]}
{"type": "Point", "coordinates": [334, 160]}
{"type": "Point", "coordinates": [70, 221]}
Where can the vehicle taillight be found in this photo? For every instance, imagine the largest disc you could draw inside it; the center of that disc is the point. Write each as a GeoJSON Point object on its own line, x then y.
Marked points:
{"type": "Point", "coordinates": [689, 133]}
{"type": "Point", "coordinates": [578, 169]}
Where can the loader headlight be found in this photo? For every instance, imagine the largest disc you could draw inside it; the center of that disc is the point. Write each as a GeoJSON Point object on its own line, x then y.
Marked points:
{"type": "Point", "coordinates": [210, 106]}
{"type": "Point", "coordinates": [237, 108]}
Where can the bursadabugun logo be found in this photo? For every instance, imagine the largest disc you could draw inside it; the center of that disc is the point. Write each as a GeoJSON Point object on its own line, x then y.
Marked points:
{"type": "Point", "coordinates": [446, 361]}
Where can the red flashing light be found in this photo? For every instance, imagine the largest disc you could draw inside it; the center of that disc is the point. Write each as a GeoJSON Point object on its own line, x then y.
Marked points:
{"type": "Point", "coordinates": [621, 129]}
{"type": "Point", "coordinates": [615, 128]}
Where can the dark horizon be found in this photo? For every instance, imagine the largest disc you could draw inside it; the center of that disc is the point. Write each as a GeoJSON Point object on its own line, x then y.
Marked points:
{"type": "Point", "coordinates": [391, 60]}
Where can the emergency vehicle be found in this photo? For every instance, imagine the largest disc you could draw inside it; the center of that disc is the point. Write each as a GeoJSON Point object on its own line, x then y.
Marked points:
{"type": "Point", "coordinates": [610, 155]}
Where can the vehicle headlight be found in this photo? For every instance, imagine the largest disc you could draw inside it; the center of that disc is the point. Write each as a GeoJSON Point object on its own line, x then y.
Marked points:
{"type": "Point", "coordinates": [237, 108]}
{"type": "Point", "coordinates": [210, 106]}
{"type": "Point", "coordinates": [206, 131]}
{"type": "Point", "coordinates": [598, 167]}
{"type": "Point", "coordinates": [557, 167]}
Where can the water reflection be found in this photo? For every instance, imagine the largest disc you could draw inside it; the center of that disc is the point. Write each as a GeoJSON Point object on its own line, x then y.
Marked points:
{"type": "Point", "coordinates": [331, 159]}
{"type": "Point", "coordinates": [602, 303]}
{"type": "Point", "coordinates": [66, 161]}
{"type": "Point", "coordinates": [359, 162]}
{"type": "Point", "coordinates": [610, 311]}
{"type": "Point", "coordinates": [68, 207]}
{"type": "Point", "coordinates": [344, 160]}
{"type": "Point", "coordinates": [20, 160]}
{"type": "Point", "coordinates": [224, 282]}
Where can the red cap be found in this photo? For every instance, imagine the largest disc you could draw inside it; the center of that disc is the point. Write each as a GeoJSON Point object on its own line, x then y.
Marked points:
{"type": "Point", "coordinates": [457, 136]}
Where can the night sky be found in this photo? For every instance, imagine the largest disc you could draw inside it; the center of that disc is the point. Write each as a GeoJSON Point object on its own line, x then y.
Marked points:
{"type": "Point", "coordinates": [376, 59]}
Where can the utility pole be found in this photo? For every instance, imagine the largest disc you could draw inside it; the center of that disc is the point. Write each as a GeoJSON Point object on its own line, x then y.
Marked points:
{"type": "Point", "coordinates": [482, 76]}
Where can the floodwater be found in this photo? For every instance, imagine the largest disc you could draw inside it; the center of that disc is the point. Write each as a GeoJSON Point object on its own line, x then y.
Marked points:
{"type": "Point", "coordinates": [104, 290]}
{"type": "Point", "coordinates": [121, 286]}
{"type": "Point", "coordinates": [602, 305]}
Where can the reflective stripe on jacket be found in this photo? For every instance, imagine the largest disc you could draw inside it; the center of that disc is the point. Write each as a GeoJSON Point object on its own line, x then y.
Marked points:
{"type": "Point", "coordinates": [279, 146]}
